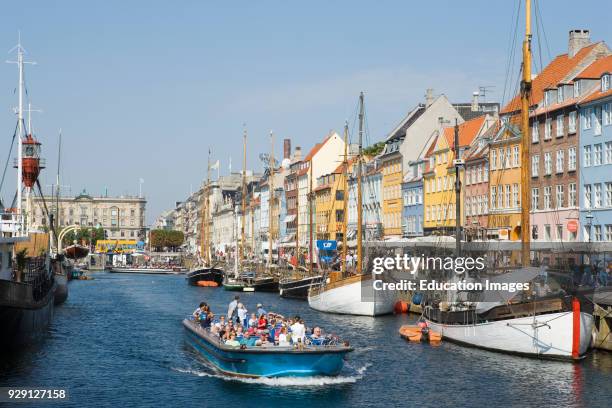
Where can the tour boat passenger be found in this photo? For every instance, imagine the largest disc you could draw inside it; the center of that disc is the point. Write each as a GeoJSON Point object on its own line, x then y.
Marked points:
{"type": "Point", "coordinates": [261, 310]}
{"type": "Point", "coordinates": [262, 323]}
{"type": "Point", "coordinates": [283, 338]}
{"type": "Point", "coordinates": [317, 338]}
{"type": "Point", "coordinates": [242, 314]}
{"type": "Point", "coordinates": [232, 341]}
{"type": "Point", "coordinates": [206, 321]}
{"type": "Point", "coordinates": [298, 330]}
{"type": "Point", "coordinates": [202, 308]}
{"type": "Point", "coordinates": [253, 320]}
{"type": "Point", "coordinates": [232, 307]}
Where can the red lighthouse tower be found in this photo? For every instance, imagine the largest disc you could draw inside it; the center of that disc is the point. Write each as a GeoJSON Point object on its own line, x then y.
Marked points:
{"type": "Point", "coordinates": [31, 163]}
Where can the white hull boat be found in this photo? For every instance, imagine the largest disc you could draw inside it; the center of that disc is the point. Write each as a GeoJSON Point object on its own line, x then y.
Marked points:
{"type": "Point", "coordinates": [346, 298]}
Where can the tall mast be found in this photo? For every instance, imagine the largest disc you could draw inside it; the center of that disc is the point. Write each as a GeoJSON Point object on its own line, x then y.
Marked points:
{"type": "Point", "coordinates": [359, 192]}
{"type": "Point", "coordinates": [297, 220]}
{"type": "Point", "coordinates": [57, 179]}
{"type": "Point", "coordinates": [525, 97]}
{"type": "Point", "coordinates": [244, 191]}
{"type": "Point", "coordinates": [271, 199]}
{"type": "Point", "coordinates": [204, 229]}
{"type": "Point", "coordinates": [310, 220]}
{"type": "Point", "coordinates": [457, 193]}
{"type": "Point", "coordinates": [345, 198]}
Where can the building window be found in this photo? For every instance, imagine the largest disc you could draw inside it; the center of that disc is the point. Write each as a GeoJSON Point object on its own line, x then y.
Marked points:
{"type": "Point", "coordinates": [571, 156]}
{"type": "Point", "coordinates": [597, 201]}
{"type": "Point", "coordinates": [515, 156]}
{"type": "Point", "coordinates": [597, 232]}
{"type": "Point", "coordinates": [560, 232]}
{"type": "Point", "coordinates": [597, 130]}
{"type": "Point", "coordinates": [560, 160]}
{"type": "Point", "coordinates": [587, 196]}
{"type": "Point", "coordinates": [547, 203]}
{"type": "Point", "coordinates": [535, 132]}
{"type": "Point", "coordinates": [560, 94]}
{"type": "Point", "coordinates": [608, 202]}
{"type": "Point", "coordinates": [572, 122]}
{"type": "Point", "coordinates": [577, 88]}
{"type": "Point", "coordinates": [605, 83]}
{"type": "Point", "coordinates": [515, 196]}
{"type": "Point", "coordinates": [507, 197]}
{"type": "Point", "coordinates": [572, 195]}
{"type": "Point", "coordinates": [560, 127]}
{"type": "Point", "coordinates": [587, 156]}
{"type": "Point", "coordinates": [559, 196]}
{"type": "Point", "coordinates": [493, 197]}
{"type": "Point", "coordinates": [535, 165]}
{"type": "Point", "coordinates": [493, 159]}
{"type": "Point", "coordinates": [535, 198]}
{"type": "Point", "coordinates": [547, 232]}
{"type": "Point", "coordinates": [485, 174]}
{"type": "Point", "coordinates": [534, 232]}
{"type": "Point", "coordinates": [607, 119]}
{"type": "Point", "coordinates": [586, 118]}
{"type": "Point", "coordinates": [597, 155]}
{"type": "Point", "coordinates": [548, 129]}
{"type": "Point", "coordinates": [547, 163]}
{"type": "Point", "coordinates": [608, 232]}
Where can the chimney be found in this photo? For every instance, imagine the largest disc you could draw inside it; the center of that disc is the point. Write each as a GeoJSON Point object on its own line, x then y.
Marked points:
{"type": "Point", "coordinates": [287, 149]}
{"type": "Point", "coordinates": [577, 40]}
{"type": "Point", "coordinates": [297, 155]}
{"type": "Point", "coordinates": [429, 98]}
{"type": "Point", "coordinates": [475, 106]}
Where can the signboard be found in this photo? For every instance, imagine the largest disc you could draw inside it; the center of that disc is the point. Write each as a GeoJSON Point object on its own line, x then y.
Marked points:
{"type": "Point", "coordinates": [503, 234]}
{"type": "Point", "coordinates": [327, 245]}
{"type": "Point", "coordinates": [572, 225]}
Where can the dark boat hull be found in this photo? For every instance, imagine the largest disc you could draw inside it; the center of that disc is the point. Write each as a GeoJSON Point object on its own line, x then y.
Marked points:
{"type": "Point", "coordinates": [298, 288]}
{"type": "Point", "coordinates": [61, 289]}
{"type": "Point", "coordinates": [23, 321]}
{"type": "Point", "coordinates": [205, 274]}
{"type": "Point", "coordinates": [263, 284]}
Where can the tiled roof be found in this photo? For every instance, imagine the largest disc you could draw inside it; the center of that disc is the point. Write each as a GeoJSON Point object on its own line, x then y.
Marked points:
{"type": "Point", "coordinates": [596, 69]}
{"type": "Point", "coordinates": [597, 95]}
{"type": "Point", "coordinates": [467, 132]}
{"type": "Point", "coordinates": [551, 75]}
{"type": "Point", "coordinates": [317, 147]}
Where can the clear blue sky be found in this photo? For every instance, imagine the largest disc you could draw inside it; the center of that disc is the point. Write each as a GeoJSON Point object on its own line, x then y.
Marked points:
{"type": "Point", "coordinates": [143, 88]}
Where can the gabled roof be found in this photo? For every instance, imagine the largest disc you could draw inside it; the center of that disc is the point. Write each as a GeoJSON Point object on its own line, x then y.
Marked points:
{"type": "Point", "coordinates": [551, 75]}
{"type": "Point", "coordinates": [400, 129]}
{"type": "Point", "coordinates": [467, 132]}
{"type": "Point", "coordinates": [318, 147]}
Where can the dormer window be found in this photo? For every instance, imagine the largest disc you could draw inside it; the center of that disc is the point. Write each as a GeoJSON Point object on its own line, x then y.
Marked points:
{"type": "Point", "coordinates": [546, 98]}
{"type": "Point", "coordinates": [560, 94]}
{"type": "Point", "coordinates": [605, 82]}
{"type": "Point", "coordinates": [577, 88]}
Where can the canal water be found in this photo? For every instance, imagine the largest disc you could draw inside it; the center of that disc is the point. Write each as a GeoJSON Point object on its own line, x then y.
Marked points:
{"type": "Point", "coordinates": [118, 341]}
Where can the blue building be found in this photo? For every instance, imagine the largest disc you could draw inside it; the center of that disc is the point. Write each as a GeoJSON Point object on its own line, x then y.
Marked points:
{"type": "Point", "coordinates": [596, 152]}
{"type": "Point", "coordinates": [412, 193]}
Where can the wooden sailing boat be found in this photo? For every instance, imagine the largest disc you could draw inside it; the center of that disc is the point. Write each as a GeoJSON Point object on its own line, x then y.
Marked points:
{"type": "Point", "coordinates": [346, 293]}
{"type": "Point", "coordinates": [549, 326]}
{"type": "Point", "coordinates": [206, 271]}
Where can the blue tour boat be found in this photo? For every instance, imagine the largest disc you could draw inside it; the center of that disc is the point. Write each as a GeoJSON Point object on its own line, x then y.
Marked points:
{"type": "Point", "coordinates": [266, 361]}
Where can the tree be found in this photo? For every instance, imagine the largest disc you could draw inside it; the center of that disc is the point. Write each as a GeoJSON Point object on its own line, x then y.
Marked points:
{"type": "Point", "coordinates": [160, 239]}
{"type": "Point", "coordinates": [374, 149]}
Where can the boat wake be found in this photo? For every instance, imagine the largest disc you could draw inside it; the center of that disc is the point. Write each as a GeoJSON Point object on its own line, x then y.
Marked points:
{"type": "Point", "coordinates": [316, 381]}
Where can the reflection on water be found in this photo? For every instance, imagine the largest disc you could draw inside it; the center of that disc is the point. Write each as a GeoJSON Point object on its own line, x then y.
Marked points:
{"type": "Point", "coordinates": [119, 341]}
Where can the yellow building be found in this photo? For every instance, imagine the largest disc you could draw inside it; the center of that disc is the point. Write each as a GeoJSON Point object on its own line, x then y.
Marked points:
{"type": "Point", "coordinates": [505, 184]}
{"type": "Point", "coordinates": [329, 195]}
{"type": "Point", "coordinates": [392, 177]}
{"type": "Point", "coordinates": [439, 197]}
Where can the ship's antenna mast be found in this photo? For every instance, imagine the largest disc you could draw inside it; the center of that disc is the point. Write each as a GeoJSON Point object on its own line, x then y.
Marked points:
{"type": "Point", "coordinates": [525, 97]}
{"type": "Point", "coordinates": [20, 123]}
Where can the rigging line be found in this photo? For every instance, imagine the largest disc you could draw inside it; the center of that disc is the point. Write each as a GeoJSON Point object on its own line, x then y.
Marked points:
{"type": "Point", "coordinates": [511, 52]}
{"type": "Point", "coordinates": [541, 19]}
{"type": "Point", "coordinates": [8, 159]}
{"type": "Point", "coordinates": [539, 42]}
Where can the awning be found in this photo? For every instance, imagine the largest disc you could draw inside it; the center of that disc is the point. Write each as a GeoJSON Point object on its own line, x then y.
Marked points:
{"type": "Point", "coordinates": [351, 234]}
{"type": "Point", "coordinates": [289, 218]}
{"type": "Point", "coordinates": [288, 238]}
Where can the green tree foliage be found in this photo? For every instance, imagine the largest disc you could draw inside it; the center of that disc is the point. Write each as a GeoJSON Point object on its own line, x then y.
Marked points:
{"type": "Point", "coordinates": [87, 235]}
{"type": "Point", "coordinates": [374, 149]}
{"type": "Point", "coordinates": [160, 239]}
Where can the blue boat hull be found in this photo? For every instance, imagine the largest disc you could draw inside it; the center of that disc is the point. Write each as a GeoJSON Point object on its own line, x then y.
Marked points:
{"type": "Point", "coordinates": [266, 362]}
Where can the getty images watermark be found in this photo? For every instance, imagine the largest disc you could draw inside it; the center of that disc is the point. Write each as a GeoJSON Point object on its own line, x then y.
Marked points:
{"type": "Point", "coordinates": [419, 265]}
